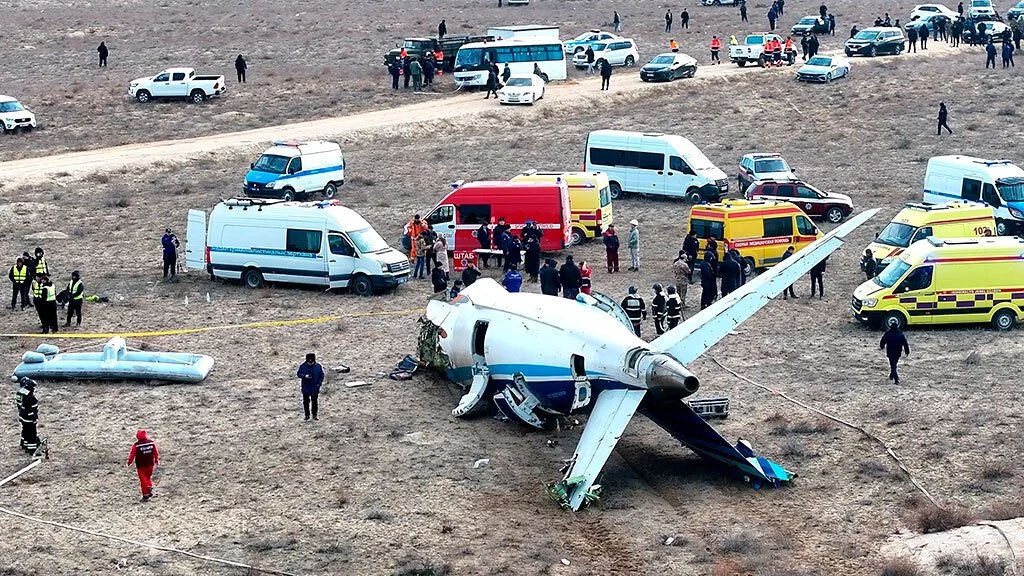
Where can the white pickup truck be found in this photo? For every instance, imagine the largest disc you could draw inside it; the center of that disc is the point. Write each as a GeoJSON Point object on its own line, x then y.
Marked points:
{"type": "Point", "coordinates": [752, 49]}
{"type": "Point", "coordinates": [177, 83]}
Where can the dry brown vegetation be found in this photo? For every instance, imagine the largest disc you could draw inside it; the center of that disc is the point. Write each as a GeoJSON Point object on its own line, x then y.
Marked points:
{"type": "Point", "coordinates": [243, 476]}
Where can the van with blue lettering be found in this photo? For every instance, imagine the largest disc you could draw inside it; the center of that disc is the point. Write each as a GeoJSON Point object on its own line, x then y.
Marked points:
{"type": "Point", "coordinates": [296, 170]}
{"type": "Point", "coordinates": [314, 243]}
{"type": "Point", "coordinates": [998, 183]}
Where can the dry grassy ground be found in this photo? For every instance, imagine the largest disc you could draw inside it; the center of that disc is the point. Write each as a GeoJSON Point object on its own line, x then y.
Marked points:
{"type": "Point", "coordinates": [307, 60]}
{"type": "Point", "coordinates": [384, 482]}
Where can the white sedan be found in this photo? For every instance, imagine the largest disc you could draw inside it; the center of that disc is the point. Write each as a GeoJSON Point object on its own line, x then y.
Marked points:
{"type": "Point", "coordinates": [522, 90]}
{"type": "Point", "coordinates": [823, 69]}
{"type": "Point", "coordinates": [922, 10]}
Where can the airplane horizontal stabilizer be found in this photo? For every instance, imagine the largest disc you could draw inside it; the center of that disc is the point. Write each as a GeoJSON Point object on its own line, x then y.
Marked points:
{"type": "Point", "coordinates": [686, 426]}
{"type": "Point", "coordinates": [703, 330]}
{"type": "Point", "coordinates": [612, 411]}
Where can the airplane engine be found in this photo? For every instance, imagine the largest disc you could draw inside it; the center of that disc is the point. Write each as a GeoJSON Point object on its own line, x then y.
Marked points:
{"type": "Point", "coordinates": [668, 380]}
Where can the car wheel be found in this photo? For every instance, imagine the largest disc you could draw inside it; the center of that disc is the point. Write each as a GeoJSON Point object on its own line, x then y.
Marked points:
{"type": "Point", "coordinates": [693, 72]}
{"type": "Point", "coordinates": [288, 195]}
{"type": "Point", "coordinates": [578, 50]}
{"type": "Point", "coordinates": [361, 286]}
{"type": "Point", "coordinates": [577, 237]}
{"type": "Point", "coordinates": [330, 190]}
{"type": "Point", "coordinates": [835, 215]}
{"type": "Point", "coordinates": [630, 61]}
{"type": "Point", "coordinates": [142, 96]}
{"type": "Point", "coordinates": [848, 54]}
{"type": "Point", "coordinates": [1004, 320]}
{"type": "Point", "coordinates": [873, 52]}
{"type": "Point", "coordinates": [1002, 228]}
{"type": "Point", "coordinates": [252, 278]}
{"type": "Point", "coordinates": [741, 63]}
{"type": "Point", "coordinates": [828, 77]}
{"type": "Point", "coordinates": [749, 267]}
{"type": "Point", "coordinates": [892, 318]}
{"type": "Point", "coordinates": [642, 79]}
{"type": "Point", "coordinates": [716, 2]}
{"type": "Point", "coordinates": [693, 195]}
{"type": "Point", "coordinates": [614, 190]}
{"type": "Point", "coordinates": [197, 97]}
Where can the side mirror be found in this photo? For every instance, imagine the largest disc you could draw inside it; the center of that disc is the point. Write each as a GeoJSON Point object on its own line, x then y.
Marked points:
{"type": "Point", "coordinates": [252, 165]}
{"type": "Point", "coordinates": [876, 235]}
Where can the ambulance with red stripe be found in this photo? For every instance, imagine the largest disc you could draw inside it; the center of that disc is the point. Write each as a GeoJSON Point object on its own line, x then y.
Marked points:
{"type": "Point", "coordinates": [461, 212]}
{"type": "Point", "coordinates": [915, 222]}
{"type": "Point", "coordinates": [589, 200]}
{"type": "Point", "coordinates": [947, 281]}
{"type": "Point", "coordinates": [761, 230]}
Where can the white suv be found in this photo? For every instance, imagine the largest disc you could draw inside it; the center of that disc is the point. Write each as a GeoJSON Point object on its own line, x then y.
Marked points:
{"type": "Point", "coordinates": [980, 8]}
{"type": "Point", "coordinates": [13, 115]}
{"type": "Point", "coordinates": [621, 52]}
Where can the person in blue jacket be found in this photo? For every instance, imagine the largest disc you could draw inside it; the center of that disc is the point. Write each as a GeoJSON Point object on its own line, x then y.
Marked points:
{"type": "Point", "coordinates": [312, 376]}
{"type": "Point", "coordinates": [513, 280]}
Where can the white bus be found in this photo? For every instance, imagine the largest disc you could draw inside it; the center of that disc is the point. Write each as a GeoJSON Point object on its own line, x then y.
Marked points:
{"type": "Point", "coordinates": [473, 60]}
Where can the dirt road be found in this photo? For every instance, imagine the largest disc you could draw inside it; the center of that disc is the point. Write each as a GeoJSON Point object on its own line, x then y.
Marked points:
{"type": "Point", "coordinates": [32, 170]}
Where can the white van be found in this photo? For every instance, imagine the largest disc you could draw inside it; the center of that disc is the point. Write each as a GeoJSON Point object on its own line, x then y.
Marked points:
{"type": "Point", "coordinates": [998, 183]}
{"type": "Point", "coordinates": [654, 164]}
{"type": "Point", "coordinates": [315, 243]}
{"type": "Point", "coordinates": [290, 170]}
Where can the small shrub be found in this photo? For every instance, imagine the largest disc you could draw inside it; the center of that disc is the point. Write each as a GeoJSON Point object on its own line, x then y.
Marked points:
{"type": "Point", "coordinates": [903, 144]}
{"type": "Point", "coordinates": [977, 566]}
{"type": "Point", "coordinates": [340, 497]}
{"type": "Point", "coordinates": [379, 516]}
{"type": "Point", "coordinates": [424, 569]}
{"type": "Point", "coordinates": [792, 448]}
{"type": "Point", "coordinates": [362, 181]}
{"type": "Point", "coordinates": [1006, 510]}
{"type": "Point", "coordinates": [929, 518]}
{"type": "Point", "coordinates": [997, 471]}
{"type": "Point", "coordinates": [872, 469]}
{"type": "Point", "coordinates": [99, 178]}
{"type": "Point", "coordinates": [122, 202]}
{"type": "Point", "coordinates": [1007, 112]}
{"type": "Point", "coordinates": [743, 541]}
{"type": "Point", "coordinates": [819, 426]}
{"type": "Point", "coordinates": [901, 567]}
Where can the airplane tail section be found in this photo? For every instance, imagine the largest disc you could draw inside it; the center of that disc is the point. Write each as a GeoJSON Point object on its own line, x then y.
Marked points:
{"type": "Point", "coordinates": [612, 412]}
{"type": "Point", "coordinates": [679, 420]}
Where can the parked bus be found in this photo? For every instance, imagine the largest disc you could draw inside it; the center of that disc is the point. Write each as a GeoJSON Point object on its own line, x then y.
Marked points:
{"type": "Point", "coordinates": [473, 60]}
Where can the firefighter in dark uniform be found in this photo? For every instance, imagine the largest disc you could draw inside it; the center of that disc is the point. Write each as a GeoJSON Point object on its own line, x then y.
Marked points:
{"type": "Point", "coordinates": [28, 414]}
{"type": "Point", "coordinates": [673, 307]}
{"type": "Point", "coordinates": [658, 309]}
{"type": "Point", "coordinates": [635, 309]}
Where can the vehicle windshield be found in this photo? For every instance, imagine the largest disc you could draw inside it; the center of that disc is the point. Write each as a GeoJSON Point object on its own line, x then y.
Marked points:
{"type": "Point", "coordinates": [11, 107]}
{"type": "Point", "coordinates": [664, 59]}
{"type": "Point", "coordinates": [981, 3]}
{"type": "Point", "coordinates": [367, 241]}
{"type": "Point", "coordinates": [773, 165]}
{"type": "Point", "coordinates": [582, 37]}
{"type": "Point", "coordinates": [469, 57]}
{"type": "Point", "coordinates": [416, 44]}
{"type": "Point", "coordinates": [891, 275]}
{"type": "Point", "coordinates": [820, 61]}
{"type": "Point", "coordinates": [808, 20]}
{"type": "Point", "coordinates": [896, 234]}
{"type": "Point", "coordinates": [519, 82]}
{"type": "Point", "coordinates": [1011, 189]}
{"type": "Point", "coordinates": [271, 163]}
{"type": "Point", "coordinates": [1019, 5]}
{"type": "Point", "coordinates": [866, 35]}
{"type": "Point", "coordinates": [754, 40]}
{"type": "Point", "coordinates": [698, 161]}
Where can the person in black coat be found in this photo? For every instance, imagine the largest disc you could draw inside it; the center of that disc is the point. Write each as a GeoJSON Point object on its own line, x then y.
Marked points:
{"type": "Point", "coordinates": [442, 29]}
{"type": "Point", "coordinates": [606, 74]}
{"type": "Point", "coordinates": [923, 35]}
{"type": "Point", "coordinates": [570, 277]}
{"type": "Point", "coordinates": [102, 50]}
{"type": "Point", "coordinates": [789, 289]}
{"type": "Point", "coordinates": [868, 265]}
{"type": "Point", "coordinates": [499, 237]}
{"type": "Point", "coordinates": [428, 71]}
{"type": "Point", "coordinates": [513, 251]}
{"type": "Point", "coordinates": [894, 343]}
{"type": "Point", "coordinates": [439, 279]}
{"type": "Point", "coordinates": [470, 275]}
{"type": "Point", "coordinates": [708, 284]}
{"type": "Point", "coordinates": [395, 68]}
{"type": "Point", "coordinates": [818, 278]}
{"type": "Point", "coordinates": [483, 236]}
{"type": "Point", "coordinates": [531, 261]}
{"type": "Point", "coordinates": [731, 272]}
{"type": "Point", "coordinates": [240, 68]}
{"type": "Point", "coordinates": [550, 282]}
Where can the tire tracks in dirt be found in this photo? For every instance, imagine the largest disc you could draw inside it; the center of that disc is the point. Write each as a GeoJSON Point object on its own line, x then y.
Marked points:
{"type": "Point", "coordinates": [460, 109]}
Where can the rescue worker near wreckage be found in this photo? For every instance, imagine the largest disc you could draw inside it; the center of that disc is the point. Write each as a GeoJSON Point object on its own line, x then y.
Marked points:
{"type": "Point", "coordinates": [19, 276]}
{"type": "Point", "coordinates": [673, 308]}
{"type": "Point", "coordinates": [146, 457]}
{"type": "Point", "coordinates": [28, 414]}
{"type": "Point", "coordinates": [76, 293]}
{"type": "Point", "coordinates": [658, 309]}
{"type": "Point", "coordinates": [635, 309]}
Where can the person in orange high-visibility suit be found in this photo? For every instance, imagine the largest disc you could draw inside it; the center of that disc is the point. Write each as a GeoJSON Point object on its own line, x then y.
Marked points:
{"type": "Point", "coordinates": [673, 45]}
{"type": "Point", "coordinates": [146, 457]}
{"type": "Point", "coordinates": [439, 58]}
{"type": "Point", "coordinates": [413, 229]}
{"type": "Point", "coordinates": [716, 47]}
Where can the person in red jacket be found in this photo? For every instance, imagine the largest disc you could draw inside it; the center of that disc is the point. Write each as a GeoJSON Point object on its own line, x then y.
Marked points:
{"type": "Point", "coordinates": [716, 47]}
{"type": "Point", "coordinates": [145, 456]}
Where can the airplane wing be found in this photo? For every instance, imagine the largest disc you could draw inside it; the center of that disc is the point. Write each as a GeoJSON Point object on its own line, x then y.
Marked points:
{"type": "Point", "coordinates": [679, 419]}
{"type": "Point", "coordinates": [612, 412]}
{"type": "Point", "coordinates": [703, 330]}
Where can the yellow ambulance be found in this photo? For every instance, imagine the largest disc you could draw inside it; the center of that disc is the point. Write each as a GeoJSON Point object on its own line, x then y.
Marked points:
{"type": "Point", "coordinates": [947, 281]}
{"type": "Point", "coordinates": [761, 230]}
{"type": "Point", "coordinates": [915, 222]}
{"type": "Point", "coordinates": [589, 200]}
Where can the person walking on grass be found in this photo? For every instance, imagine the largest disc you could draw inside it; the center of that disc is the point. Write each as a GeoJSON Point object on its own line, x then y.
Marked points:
{"type": "Point", "coordinates": [743, 12]}
{"type": "Point", "coordinates": [19, 276]}
{"type": "Point", "coordinates": [146, 457]}
{"type": "Point", "coordinates": [617, 22]}
{"type": "Point", "coordinates": [895, 344]}
{"type": "Point", "coordinates": [76, 294]}
{"type": "Point", "coordinates": [492, 84]}
{"type": "Point", "coordinates": [943, 117]}
{"type": "Point", "coordinates": [102, 50]}
{"type": "Point", "coordinates": [716, 47]}
{"type": "Point", "coordinates": [311, 374]}
{"type": "Point", "coordinates": [240, 68]}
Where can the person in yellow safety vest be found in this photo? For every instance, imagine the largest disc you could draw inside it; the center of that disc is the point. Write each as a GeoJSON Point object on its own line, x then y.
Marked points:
{"type": "Point", "coordinates": [19, 276]}
{"type": "Point", "coordinates": [49, 313]}
{"type": "Point", "coordinates": [716, 47]}
{"type": "Point", "coordinates": [733, 41]}
{"type": "Point", "coordinates": [41, 267]}
{"type": "Point", "coordinates": [673, 45]}
{"type": "Point", "coordinates": [76, 292]}
{"type": "Point", "coordinates": [37, 296]}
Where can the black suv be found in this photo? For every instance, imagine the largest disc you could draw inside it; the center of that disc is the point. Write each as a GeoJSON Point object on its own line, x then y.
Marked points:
{"type": "Point", "coordinates": [875, 41]}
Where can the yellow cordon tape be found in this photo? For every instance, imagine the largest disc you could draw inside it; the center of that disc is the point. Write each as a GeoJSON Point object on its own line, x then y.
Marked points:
{"type": "Point", "coordinates": [318, 320]}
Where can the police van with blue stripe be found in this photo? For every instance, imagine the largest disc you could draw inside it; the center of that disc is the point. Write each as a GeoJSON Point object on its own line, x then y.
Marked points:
{"type": "Point", "coordinates": [296, 170]}
{"type": "Point", "coordinates": [998, 183]}
{"type": "Point", "coordinates": [313, 243]}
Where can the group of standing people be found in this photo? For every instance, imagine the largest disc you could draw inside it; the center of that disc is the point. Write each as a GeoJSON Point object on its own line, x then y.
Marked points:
{"type": "Point", "coordinates": [30, 275]}
{"type": "Point", "coordinates": [428, 252]}
{"type": "Point", "coordinates": [612, 244]}
{"type": "Point", "coordinates": [420, 71]}
{"type": "Point", "coordinates": [569, 281]}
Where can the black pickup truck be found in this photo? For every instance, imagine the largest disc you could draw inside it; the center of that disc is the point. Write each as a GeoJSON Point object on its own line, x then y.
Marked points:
{"type": "Point", "coordinates": [421, 46]}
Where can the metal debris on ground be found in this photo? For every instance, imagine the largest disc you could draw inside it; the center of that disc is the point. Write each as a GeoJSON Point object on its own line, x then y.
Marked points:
{"type": "Point", "coordinates": [481, 463]}
{"type": "Point", "coordinates": [341, 368]}
{"type": "Point", "coordinates": [559, 492]}
{"type": "Point", "coordinates": [356, 383]}
{"type": "Point", "coordinates": [708, 408]}
{"type": "Point", "coordinates": [405, 369]}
